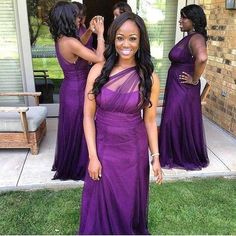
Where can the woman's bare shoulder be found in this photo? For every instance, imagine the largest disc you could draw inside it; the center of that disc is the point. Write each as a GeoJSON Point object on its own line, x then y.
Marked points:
{"type": "Point", "coordinates": [197, 37]}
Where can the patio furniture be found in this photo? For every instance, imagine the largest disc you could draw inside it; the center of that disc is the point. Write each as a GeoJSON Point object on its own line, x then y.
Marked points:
{"type": "Point", "coordinates": [23, 126]}
{"type": "Point", "coordinates": [44, 85]}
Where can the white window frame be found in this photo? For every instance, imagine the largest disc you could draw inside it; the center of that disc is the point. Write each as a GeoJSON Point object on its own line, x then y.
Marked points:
{"type": "Point", "coordinates": [23, 39]}
{"type": "Point", "coordinates": [25, 48]}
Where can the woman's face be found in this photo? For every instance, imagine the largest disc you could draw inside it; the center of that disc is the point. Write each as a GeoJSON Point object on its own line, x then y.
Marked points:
{"type": "Point", "coordinates": [78, 21]}
{"type": "Point", "coordinates": [185, 24]}
{"type": "Point", "coordinates": [127, 40]}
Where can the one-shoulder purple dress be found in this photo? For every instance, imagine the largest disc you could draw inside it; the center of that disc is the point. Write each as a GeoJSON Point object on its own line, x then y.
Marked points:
{"type": "Point", "coordinates": [71, 155]}
{"type": "Point", "coordinates": [181, 140]}
{"type": "Point", "coordinates": [117, 203]}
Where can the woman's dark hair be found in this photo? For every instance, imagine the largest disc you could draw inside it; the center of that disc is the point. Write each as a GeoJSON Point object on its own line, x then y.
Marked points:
{"type": "Point", "coordinates": [82, 8]}
{"type": "Point", "coordinates": [123, 7]}
{"type": "Point", "coordinates": [62, 20]}
{"type": "Point", "coordinates": [196, 14]}
{"type": "Point", "coordinates": [144, 65]}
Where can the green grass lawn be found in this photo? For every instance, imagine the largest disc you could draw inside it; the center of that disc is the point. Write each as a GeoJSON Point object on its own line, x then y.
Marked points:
{"type": "Point", "coordinates": [205, 206]}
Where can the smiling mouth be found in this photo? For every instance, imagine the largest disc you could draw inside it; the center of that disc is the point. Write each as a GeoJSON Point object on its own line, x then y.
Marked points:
{"type": "Point", "coordinates": [126, 51]}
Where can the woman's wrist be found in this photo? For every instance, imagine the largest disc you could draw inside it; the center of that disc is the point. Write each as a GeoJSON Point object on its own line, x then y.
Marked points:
{"type": "Point", "coordinates": [155, 157]}
{"type": "Point", "coordinates": [93, 157]}
{"type": "Point", "coordinates": [156, 154]}
{"type": "Point", "coordinates": [100, 38]}
{"type": "Point", "coordinates": [195, 82]}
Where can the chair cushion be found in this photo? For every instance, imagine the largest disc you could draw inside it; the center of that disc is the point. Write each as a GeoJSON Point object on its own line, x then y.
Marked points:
{"type": "Point", "coordinates": [10, 121]}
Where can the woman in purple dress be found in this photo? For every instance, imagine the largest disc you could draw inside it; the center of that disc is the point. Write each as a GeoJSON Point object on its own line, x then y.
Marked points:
{"type": "Point", "coordinates": [82, 32]}
{"type": "Point", "coordinates": [182, 142]}
{"type": "Point", "coordinates": [71, 151]}
{"type": "Point", "coordinates": [121, 7]}
{"type": "Point", "coordinates": [115, 195]}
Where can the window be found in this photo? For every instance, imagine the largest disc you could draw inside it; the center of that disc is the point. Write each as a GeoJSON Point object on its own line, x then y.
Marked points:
{"type": "Point", "coordinates": [10, 69]}
{"type": "Point", "coordinates": [160, 18]}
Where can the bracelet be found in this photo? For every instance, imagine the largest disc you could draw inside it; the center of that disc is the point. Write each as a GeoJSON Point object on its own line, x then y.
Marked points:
{"type": "Point", "coordinates": [195, 83]}
{"type": "Point", "coordinates": [100, 38]}
{"type": "Point", "coordinates": [155, 154]}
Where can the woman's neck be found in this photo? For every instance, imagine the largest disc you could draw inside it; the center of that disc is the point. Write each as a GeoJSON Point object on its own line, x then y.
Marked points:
{"type": "Point", "coordinates": [191, 32]}
{"type": "Point", "coordinates": [126, 64]}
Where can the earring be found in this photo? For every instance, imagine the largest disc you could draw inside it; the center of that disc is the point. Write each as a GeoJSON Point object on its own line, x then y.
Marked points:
{"type": "Point", "coordinates": [116, 54]}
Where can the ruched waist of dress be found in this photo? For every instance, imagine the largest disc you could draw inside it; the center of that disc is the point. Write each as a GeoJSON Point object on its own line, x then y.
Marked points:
{"type": "Point", "coordinates": [117, 118]}
{"type": "Point", "coordinates": [76, 75]}
{"type": "Point", "coordinates": [182, 64]}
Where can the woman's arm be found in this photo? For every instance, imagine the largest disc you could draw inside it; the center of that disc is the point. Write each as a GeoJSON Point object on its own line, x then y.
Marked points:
{"type": "Point", "coordinates": [198, 49]}
{"type": "Point", "coordinates": [199, 52]}
{"type": "Point", "coordinates": [71, 48]}
{"type": "Point", "coordinates": [87, 54]}
{"type": "Point", "coordinates": [151, 127]}
{"type": "Point", "coordinates": [94, 167]}
{"type": "Point", "coordinates": [86, 36]}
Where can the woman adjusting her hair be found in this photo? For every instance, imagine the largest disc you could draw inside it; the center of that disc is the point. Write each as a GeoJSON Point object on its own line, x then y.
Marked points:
{"type": "Point", "coordinates": [71, 155]}
{"type": "Point", "coordinates": [121, 7]}
{"type": "Point", "coordinates": [115, 195]}
{"type": "Point", "coordinates": [182, 140]}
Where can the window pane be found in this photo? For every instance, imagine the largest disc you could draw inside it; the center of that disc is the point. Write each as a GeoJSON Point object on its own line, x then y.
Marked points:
{"type": "Point", "coordinates": [160, 18]}
{"type": "Point", "coordinates": [10, 70]}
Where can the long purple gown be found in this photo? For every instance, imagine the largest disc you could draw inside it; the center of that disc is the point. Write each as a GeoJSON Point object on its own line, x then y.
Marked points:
{"type": "Point", "coordinates": [182, 141]}
{"type": "Point", "coordinates": [71, 155]}
{"type": "Point", "coordinates": [117, 203]}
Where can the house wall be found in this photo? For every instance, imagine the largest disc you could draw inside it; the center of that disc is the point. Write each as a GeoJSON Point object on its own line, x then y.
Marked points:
{"type": "Point", "coordinates": [221, 67]}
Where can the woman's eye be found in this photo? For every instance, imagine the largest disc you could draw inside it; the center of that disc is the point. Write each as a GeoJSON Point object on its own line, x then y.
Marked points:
{"type": "Point", "coordinates": [133, 38]}
{"type": "Point", "coordinates": [119, 38]}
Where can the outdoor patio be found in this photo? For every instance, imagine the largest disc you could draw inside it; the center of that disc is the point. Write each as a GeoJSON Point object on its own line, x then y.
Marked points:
{"type": "Point", "coordinates": [21, 170]}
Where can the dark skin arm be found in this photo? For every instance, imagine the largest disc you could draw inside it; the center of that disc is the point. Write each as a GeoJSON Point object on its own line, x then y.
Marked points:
{"type": "Point", "coordinates": [197, 46]}
{"type": "Point", "coordinates": [85, 37]}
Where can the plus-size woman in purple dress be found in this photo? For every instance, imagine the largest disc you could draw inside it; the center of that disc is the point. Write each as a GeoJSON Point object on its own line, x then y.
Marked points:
{"type": "Point", "coordinates": [182, 141]}
{"type": "Point", "coordinates": [71, 156]}
{"type": "Point", "coordinates": [115, 195]}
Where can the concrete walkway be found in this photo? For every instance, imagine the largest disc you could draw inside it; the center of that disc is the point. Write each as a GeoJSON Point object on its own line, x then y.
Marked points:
{"type": "Point", "coordinates": [21, 170]}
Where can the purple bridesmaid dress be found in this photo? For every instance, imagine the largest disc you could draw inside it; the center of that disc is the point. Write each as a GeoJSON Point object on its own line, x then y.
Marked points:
{"type": "Point", "coordinates": [181, 140]}
{"type": "Point", "coordinates": [118, 202]}
{"type": "Point", "coordinates": [71, 156]}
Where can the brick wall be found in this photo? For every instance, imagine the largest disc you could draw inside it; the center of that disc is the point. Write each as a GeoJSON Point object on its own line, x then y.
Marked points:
{"type": "Point", "coordinates": [221, 67]}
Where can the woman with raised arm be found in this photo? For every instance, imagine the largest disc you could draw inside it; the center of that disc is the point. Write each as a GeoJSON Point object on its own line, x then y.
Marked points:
{"type": "Point", "coordinates": [71, 155]}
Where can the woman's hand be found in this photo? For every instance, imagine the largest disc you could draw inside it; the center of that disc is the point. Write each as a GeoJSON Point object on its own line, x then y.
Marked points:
{"type": "Point", "coordinates": [95, 168]}
{"type": "Point", "coordinates": [98, 22]}
{"type": "Point", "coordinates": [92, 24]}
{"type": "Point", "coordinates": [187, 79]}
{"type": "Point", "coordinates": [157, 170]}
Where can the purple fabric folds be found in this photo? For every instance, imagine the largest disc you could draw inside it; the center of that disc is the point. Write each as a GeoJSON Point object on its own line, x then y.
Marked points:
{"type": "Point", "coordinates": [181, 140]}
{"type": "Point", "coordinates": [117, 203]}
{"type": "Point", "coordinates": [71, 155]}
